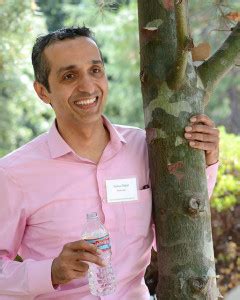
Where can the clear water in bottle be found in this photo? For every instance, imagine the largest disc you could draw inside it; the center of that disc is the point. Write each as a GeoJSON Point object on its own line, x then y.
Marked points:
{"type": "Point", "coordinates": [101, 279]}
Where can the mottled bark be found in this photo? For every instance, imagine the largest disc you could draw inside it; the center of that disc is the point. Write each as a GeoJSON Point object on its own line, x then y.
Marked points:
{"type": "Point", "coordinates": [180, 200]}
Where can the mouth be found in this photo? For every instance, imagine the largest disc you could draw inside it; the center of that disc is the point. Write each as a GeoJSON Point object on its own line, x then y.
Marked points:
{"type": "Point", "coordinates": [86, 103]}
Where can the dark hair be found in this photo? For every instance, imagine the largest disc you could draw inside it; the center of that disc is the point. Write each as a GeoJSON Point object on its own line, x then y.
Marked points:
{"type": "Point", "coordinates": [40, 63]}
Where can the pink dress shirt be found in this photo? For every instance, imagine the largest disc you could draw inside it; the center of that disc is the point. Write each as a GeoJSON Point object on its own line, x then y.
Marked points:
{"type": "Point", "coordinates": [46, 190]}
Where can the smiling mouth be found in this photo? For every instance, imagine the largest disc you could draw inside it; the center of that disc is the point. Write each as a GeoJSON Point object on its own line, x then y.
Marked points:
{"type": "Point", "coordinates": [86, 103]}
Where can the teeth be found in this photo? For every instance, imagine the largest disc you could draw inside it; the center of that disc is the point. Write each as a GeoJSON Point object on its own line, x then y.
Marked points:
{"type": "Point", "coordinates": [86, 102]}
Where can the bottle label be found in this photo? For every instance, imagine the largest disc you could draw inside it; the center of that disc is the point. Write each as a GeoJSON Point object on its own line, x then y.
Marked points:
{"type": "Point", "coordinates": [103, 243]}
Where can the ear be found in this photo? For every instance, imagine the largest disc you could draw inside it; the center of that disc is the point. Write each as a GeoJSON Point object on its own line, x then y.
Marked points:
{"type": "Point", "coordinates": [42, 92]}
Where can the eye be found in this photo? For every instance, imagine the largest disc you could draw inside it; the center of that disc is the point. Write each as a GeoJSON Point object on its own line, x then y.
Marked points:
{"type": "Point", "coordinates": [96, 70]}
{"type": "Point", "coordinates": [69, 76]}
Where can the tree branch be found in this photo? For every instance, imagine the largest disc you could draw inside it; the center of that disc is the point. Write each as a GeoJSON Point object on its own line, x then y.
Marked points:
{"type": "Point", "coordinates": [177, 75]}
{"type": "Point", "coordinates": [212, 70]}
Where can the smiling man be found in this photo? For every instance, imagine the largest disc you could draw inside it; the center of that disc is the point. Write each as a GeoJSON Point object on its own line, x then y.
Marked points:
{"type": "Point", "coordinates": [77, 90]}
{"type": "Point", "coordinates": [49, 185]}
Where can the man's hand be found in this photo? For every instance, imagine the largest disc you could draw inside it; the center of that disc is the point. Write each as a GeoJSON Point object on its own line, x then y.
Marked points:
{"type": "Point", "coordinates": [72, 261]}
{"type": "Point", "coordinates": [202, 134]}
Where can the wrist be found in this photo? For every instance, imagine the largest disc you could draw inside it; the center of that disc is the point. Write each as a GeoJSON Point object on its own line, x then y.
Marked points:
{"type": "Point", "coordinates": [211, 163]}
{"type": "Point", "coordinates": [54, 281]}
{"type": "Point", "coordinates": [212, 158]}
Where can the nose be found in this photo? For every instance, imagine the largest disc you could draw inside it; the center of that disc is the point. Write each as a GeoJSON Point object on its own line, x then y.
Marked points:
{"type": "Point", "coordinates": [86, 84]}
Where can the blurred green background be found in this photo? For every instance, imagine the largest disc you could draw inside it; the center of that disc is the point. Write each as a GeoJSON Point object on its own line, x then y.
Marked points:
{"type": "Point", "coordinates": [23, 116]}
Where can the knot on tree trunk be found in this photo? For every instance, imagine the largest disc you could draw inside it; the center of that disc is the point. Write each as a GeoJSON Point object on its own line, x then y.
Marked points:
{"type": "Point", "coordinates": [142, 76]}
{"type": "Point", "coordinates": [205, 286]}
{"type": "Point", "coordinates": [195, 207]}
{"type": "Point", "coordinates": [198, 284]}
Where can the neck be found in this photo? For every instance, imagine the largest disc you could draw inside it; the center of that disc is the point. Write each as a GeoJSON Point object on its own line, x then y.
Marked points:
{"type": "Point", "coordinates": [87, 140]}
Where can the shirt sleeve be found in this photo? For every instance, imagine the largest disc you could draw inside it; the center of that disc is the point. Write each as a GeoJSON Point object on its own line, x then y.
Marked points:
{"type": "Point", "coordinates": [211, 173]}
{"type": "Point", "coordinates": [18, 278]}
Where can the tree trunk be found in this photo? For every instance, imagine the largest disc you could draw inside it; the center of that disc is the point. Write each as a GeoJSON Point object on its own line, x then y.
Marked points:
{"type": "Point", "coordinates": [180, 199]}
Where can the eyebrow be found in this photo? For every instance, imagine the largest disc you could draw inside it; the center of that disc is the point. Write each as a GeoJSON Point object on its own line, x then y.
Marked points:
{"type": "Point", "coordinates": [97, 62]}
{"type": "Point", "coordinates": [70, 67]}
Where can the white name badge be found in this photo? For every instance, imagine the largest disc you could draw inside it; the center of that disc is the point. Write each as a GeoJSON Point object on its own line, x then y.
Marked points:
{"type": "Point", "coordinates": [120, 190]}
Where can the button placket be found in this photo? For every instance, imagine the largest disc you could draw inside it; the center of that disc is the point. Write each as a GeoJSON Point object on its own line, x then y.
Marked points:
{"type": "Point", "coordinates": [100, 192]}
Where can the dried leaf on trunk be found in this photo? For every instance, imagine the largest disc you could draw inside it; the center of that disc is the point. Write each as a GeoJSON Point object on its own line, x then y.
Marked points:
{"type": "Point", "coordinates": [234, 16]}
{"type": "Point", "coordinates": [201, 52]}
{"type": "Point", "coordinates": [168, 4]}
{"type": "Point", "coordinates": [153, 25]}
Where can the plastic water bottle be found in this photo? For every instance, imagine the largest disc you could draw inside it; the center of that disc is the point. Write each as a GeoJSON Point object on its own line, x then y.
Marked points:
{"type": "Point", "coordinates": [101, 279]}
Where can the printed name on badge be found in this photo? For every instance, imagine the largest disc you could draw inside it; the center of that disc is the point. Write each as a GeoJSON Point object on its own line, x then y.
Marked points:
{"type": "Point", "coordinates": [120, 190]}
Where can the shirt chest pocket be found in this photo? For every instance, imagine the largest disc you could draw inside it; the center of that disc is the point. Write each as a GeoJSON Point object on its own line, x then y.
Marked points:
{"type": "Point", "coordinates": [138, 214]}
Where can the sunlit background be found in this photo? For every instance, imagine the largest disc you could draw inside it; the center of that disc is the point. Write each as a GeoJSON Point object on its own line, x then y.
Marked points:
{"type": "Point", "coordinates": [23, 116]}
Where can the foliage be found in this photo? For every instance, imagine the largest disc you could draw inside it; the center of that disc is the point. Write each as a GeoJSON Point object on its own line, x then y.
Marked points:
{"type": "Point", "coordinates": [226, 237]}
{"type": "Point", "coordinates": [226, 213]}
{"type": "Point", "coordinates": [117, 35]}
{"type": "Point", "coordinates": [120, 48]}
{"type": "Point", "coordinates": [53, 9]}
{"type": "Point", "coordinates": [227, 193]}
{"type": "Point", "coordinates": [209, 24]}
{"type": "Point", "coordinates": [21, 116]}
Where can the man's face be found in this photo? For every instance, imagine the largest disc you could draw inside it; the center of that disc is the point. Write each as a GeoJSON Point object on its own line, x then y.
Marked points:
{"type": "Point", "coordinates": [77, 80]}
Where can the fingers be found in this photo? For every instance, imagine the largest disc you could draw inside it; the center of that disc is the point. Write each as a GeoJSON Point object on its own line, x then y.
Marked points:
{"type": "Point", "coordinates": [73, 261]}
{"type": "Point", "coordinates": [76, 274]}
{"type": "Point", "coordinates": [204, 119]}
{"type": "Point", "coordinates": [82, 245]}
{"type": "Point", "coordinates": [84, 256]}
{"type": "Point", "coordinates": [202, 146]}
{"type": "Point", "coordinates": [80, 266]}
{"type": "Point", "coordinates": [202, 134]}
{"type": "Point", "coordinates": [202, 129]}
{"type": "Point", "coordinates": [84, 251]}
{"type": "Point", "coordinates": [62, 272]}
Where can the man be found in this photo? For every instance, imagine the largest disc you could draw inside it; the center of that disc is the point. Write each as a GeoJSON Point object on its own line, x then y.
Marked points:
{"type": "Point", "coordinates": [50, 184]}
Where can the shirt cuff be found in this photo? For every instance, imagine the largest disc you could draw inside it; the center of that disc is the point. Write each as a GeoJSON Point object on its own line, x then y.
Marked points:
{"type": "Point", "coordinates": [211, 173]}
{"type": "Point", "coordinates": [212, 169]}
{"type": "Point", "coordinates": [39, 277]}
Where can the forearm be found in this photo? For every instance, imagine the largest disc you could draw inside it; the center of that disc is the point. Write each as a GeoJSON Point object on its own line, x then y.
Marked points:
{"type": "Point", "coordinates": [25, 278]}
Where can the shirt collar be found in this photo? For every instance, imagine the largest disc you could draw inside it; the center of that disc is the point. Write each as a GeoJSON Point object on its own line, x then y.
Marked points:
{"type": "Point", "coordinates": [115, 136]}
{"type": "Point", "coordinates": [58, 147]}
